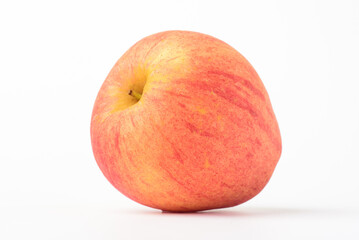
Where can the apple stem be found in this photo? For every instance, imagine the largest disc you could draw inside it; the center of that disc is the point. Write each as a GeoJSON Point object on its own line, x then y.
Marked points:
{"type": "Point", "coordinates": [135, 94]}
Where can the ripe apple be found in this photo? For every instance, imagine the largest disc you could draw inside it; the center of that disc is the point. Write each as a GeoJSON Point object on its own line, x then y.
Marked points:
{"type": "Point", "coordinates": [183, 123]}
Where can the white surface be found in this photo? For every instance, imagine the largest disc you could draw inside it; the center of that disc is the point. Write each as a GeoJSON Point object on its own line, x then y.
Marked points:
{"type": "Point", "coordinates": [94, 222]}
{"type": "Point", "coordinates": [54, 58]}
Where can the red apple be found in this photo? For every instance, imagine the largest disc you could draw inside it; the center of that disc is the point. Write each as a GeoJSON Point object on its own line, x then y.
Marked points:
{"type": "Point", "coordinates": [184, 123]}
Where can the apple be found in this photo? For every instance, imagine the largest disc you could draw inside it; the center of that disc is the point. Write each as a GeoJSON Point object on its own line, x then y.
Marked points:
{"type": "Point", "coordinates": [183, 123]}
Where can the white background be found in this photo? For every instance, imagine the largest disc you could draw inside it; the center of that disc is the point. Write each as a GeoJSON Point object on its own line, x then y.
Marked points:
{"type": "Point", "coordinates": [55, 56]}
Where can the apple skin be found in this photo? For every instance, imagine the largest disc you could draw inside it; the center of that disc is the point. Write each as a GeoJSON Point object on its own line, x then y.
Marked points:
{"type": "Point", "coordinates": [202, 136]}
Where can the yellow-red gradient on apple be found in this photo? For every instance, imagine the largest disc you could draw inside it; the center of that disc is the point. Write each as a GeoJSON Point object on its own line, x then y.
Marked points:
{"type": "Point", "coordinates": [184, 123]}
